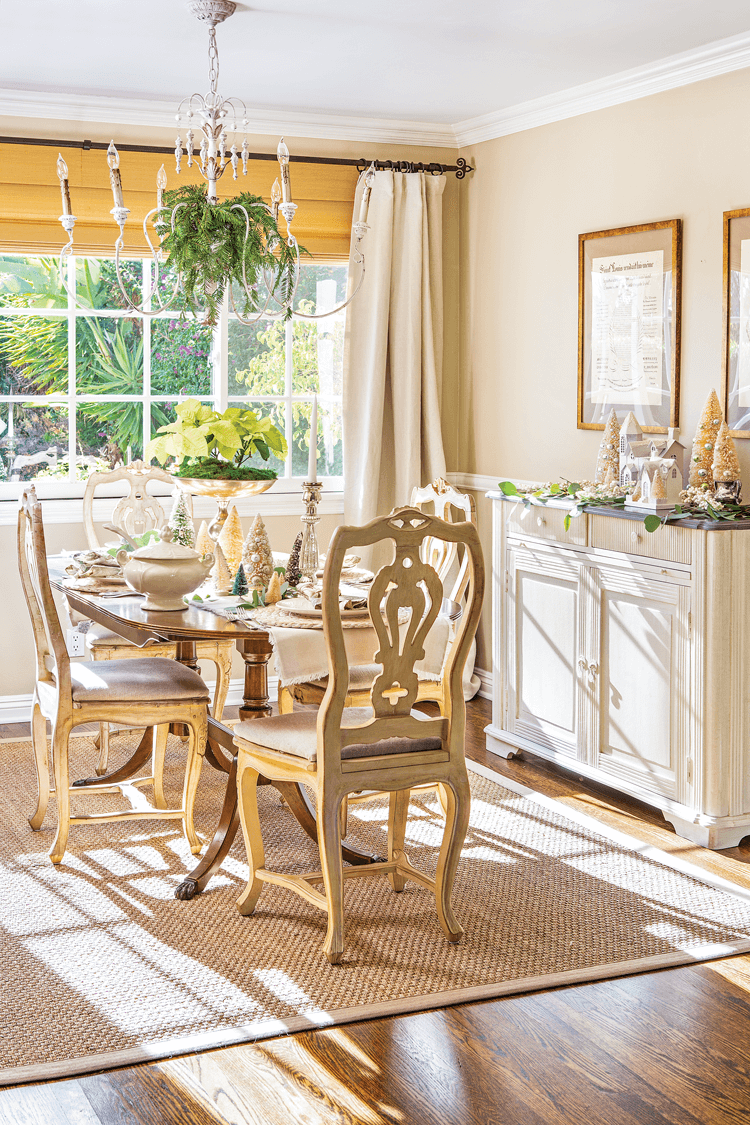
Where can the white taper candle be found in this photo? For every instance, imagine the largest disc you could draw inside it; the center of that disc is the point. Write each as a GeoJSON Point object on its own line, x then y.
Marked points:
{"type": "Point", "coordinates": [312, 461]}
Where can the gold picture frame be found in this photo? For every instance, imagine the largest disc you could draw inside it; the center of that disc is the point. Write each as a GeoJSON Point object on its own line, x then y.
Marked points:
{"type": "Point", "coordinates": [629, 337]}
{"type": "Point", "coordinates": [736, 323]}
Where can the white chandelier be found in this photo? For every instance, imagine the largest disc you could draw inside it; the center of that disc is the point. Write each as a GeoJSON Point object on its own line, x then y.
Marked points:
{"type": "Point", "coordinates": [210, 115]}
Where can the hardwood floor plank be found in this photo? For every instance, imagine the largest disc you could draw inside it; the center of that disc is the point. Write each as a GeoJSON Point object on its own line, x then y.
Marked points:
{"type": "Point", "coordinates": [51, 1103]}
{"type": "Point", "coordinates": [276, 1082]}
{"type": "Point", "coordinates": [152, 1099]}
{"type": "Point", "coordinates": [103, 1096]}
{"type": "Point", "coordinates": [660, 1029]}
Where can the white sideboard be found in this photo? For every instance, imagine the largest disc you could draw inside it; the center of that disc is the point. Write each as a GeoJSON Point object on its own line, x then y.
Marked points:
{"type": "Point", "coordinates": [625, 656]}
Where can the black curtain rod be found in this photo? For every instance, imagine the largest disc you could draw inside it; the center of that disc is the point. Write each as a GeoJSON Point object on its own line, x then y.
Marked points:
{"type": "Point", "coordinates": [460, 167]}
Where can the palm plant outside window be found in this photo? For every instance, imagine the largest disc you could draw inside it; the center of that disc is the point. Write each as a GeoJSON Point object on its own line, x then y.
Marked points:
{"type": "Point", "coordinates": [78, 385]}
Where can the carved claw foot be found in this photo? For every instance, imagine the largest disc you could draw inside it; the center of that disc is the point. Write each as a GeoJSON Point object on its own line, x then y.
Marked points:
{"type": "Point", "coordinates": [186, 890]}
{"type": "Point", "coordinates": [86, 781]}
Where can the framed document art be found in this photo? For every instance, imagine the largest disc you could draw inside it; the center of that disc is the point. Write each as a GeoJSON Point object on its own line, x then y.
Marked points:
{"type": "Point", "coordinates": [629, 286]}
{"type": "Point", "coordinates": [736, 359]}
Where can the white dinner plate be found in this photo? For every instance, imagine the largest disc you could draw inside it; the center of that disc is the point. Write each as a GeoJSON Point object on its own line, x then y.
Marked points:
{"type": "Point", "coordinates": [308, 610]}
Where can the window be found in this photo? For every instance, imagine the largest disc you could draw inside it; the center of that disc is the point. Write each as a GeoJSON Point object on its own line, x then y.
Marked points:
{"type": "Point", "coordinates": [75, 382]}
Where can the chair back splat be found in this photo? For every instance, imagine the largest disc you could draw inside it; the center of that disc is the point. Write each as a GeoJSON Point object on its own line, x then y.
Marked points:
{"type": "Point", "coordinates": [404, 602]}
{"type": "Point", "coordinates": [444, 499]}
{"type": "Point", "coordinates": [138, 511]}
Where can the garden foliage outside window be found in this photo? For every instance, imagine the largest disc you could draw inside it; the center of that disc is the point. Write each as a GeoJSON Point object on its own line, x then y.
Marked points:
{"type": "Point", "coordinates": [80, 386]}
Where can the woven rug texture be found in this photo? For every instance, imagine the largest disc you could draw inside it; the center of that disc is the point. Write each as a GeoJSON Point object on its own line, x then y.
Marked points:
{"type": "Point", "coordinates": [99, 958]}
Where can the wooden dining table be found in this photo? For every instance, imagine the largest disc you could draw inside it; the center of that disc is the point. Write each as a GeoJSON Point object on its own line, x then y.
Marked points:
{"type": "Point", "coordinates": [126, 616]}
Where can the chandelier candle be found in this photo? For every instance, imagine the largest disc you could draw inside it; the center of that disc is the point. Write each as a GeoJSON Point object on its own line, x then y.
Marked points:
{"type": "Point", "coordinates": [113, 159]}
{"type": "Point", "coordinates": [366, 193]}
{"type": "Point", "coordinates": [161, 183]}
{"type": "Point", "coordinates": [62, 171]}
{"type": "Point", "coordinates": [282, 153]}
{"type": "Point", "coordinates": [275, 199]}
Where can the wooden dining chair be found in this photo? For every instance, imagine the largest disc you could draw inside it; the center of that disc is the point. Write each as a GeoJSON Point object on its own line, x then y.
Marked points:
{"type": "Point", "coordinates": [151, 692]}
{"type": "Point", "coordinates": [439, 499]}
{"type": "Point", "coordinates": [137, 512]}
{"type": "Point", "coordinates": [386, 746]}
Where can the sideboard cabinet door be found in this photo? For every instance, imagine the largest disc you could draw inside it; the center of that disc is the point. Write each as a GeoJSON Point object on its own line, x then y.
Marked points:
{"type": "Point", "coordinates": [644, 675]}
{"type": "Point", "coordinates": [543, 648]}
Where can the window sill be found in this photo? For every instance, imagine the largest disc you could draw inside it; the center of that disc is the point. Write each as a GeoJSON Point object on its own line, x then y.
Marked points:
{"type": "Point", "coordinates": [272, 503]}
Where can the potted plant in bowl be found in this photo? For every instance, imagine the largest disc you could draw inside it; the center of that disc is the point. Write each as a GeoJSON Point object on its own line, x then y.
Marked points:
{"type": "Point", "coordinates": [211, 245]}
{"type": "Point", "coordinates": [212, 451]}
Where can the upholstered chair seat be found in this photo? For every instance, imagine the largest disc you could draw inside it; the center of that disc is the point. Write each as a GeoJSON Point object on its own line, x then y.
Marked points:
{"type": "Point", "coordinates": [135, 681]}
{"type": "Point", "coordinates": [101, 635]}
{"type": "Point", "coordinates": [296, 734]}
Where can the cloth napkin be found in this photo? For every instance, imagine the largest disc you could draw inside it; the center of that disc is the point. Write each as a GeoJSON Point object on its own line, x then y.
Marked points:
{"type": "Point", "coordinates": [301, 656]}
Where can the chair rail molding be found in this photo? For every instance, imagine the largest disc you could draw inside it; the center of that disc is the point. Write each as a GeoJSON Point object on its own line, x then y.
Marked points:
{"type": "Point", "coordinates": [477, 482]}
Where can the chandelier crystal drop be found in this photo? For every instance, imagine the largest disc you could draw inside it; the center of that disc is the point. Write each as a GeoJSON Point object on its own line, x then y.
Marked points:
{"type": "Point", "coordinates": [212, 144]}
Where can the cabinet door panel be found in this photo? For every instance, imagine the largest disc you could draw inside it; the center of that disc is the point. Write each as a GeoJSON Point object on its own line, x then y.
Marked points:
{"type": "Point", "coordinates": [547, 637]}
{"type": "Point", "coordinates": [643, 671]}
{"type": "Point", "coordinates": [543, 649]}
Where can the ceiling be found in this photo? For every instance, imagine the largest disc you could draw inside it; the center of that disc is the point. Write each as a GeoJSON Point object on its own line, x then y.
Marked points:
{"type": "Point", "coordinates": [439, 61]}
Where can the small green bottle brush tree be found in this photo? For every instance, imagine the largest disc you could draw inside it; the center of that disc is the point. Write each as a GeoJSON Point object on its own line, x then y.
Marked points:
{"type": "Point", "coordinates": [213, 245]}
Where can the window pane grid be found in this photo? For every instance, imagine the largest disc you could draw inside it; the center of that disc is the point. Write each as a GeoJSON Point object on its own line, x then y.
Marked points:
{"type": "Point", "coordinates": [56, 422]}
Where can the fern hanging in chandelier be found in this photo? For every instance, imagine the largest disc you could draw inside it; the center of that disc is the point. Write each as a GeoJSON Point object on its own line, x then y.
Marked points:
{"type": "Point", "coordinates": [215, 247]}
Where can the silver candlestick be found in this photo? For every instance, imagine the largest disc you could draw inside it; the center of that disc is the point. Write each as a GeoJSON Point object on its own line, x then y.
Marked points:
{"type": "Point", "coordinates": [308, 555]}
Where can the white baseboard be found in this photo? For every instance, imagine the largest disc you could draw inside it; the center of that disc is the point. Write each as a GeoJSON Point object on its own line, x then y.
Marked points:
{"type": "Point", "coordinates": [17, 708]}
{"type": "Point", "coordinates": [485, 690]}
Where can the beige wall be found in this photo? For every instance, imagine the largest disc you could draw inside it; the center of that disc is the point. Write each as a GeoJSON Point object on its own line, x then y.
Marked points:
{"type": "Point", "coordinates": [681, 154]}
{"type": "Point", "coordinates": [17, 669]}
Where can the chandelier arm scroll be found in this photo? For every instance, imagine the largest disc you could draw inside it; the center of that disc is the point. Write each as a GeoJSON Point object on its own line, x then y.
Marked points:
{"type": "Point", "coordinates": [143, 311]}
{"type": "Point", "coordinates": [269, 289]}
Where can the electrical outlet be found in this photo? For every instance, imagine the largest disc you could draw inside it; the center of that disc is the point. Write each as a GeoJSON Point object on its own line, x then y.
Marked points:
{"type": "Point", "coordinates": [76, 643]}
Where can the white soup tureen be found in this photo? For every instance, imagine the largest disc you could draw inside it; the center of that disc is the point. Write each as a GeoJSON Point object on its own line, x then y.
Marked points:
{"type": "Point", "coordinates": [165, 572]}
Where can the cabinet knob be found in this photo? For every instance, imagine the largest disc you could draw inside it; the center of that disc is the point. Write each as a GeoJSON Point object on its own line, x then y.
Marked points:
{"type": "Point", "coordinates": [593, 672]}
{"type": "Point", "coordinates": [582, 664]}
{"type": "Point", "coordinates": [635, 536]}
{"type": "Point", "coordinates": [540, 521]}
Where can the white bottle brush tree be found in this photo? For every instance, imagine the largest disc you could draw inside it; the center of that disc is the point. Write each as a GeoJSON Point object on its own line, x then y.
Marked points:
{"type": "Point", "coordinates": [704, 443]}
{"type": "Point", "coordinates": [608, 460]}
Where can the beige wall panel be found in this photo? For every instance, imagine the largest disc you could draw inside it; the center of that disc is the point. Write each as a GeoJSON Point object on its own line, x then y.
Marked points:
{"type": "Point", "coordinates": [679, 154]}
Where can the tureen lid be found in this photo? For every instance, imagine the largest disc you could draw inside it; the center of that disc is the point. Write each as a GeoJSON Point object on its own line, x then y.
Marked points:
{"type": "Point", "coordinates": [164, 548]}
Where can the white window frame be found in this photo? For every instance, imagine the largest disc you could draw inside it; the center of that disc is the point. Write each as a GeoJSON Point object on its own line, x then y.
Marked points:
{"type": "Point", "coordinates": [57, 489]}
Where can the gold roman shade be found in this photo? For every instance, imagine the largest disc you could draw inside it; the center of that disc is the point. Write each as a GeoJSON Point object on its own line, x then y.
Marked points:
{"type": "Point", "coordinates": [30, 202]}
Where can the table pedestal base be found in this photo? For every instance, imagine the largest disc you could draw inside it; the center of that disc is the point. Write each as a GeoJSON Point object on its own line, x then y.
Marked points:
{"type": "Point", "coordinates": [221, 754]}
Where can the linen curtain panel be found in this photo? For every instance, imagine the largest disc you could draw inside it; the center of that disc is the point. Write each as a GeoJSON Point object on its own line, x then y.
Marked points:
{"type": "Point", "coordinates": [394, 348]}
{"type": "Point", "coordinates": [393, 354]}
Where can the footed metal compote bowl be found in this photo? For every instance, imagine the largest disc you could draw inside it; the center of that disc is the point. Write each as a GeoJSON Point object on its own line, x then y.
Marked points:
{"type": "Point", "coordinates": [223, 492]}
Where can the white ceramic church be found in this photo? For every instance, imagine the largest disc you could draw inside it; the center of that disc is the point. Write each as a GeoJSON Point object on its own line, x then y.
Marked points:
{"type": "Point", "coordinates": [650, 465]}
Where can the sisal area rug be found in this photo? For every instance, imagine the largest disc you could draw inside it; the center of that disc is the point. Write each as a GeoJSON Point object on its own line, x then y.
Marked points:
{"type": "Point", "coordinates": [103, 967]}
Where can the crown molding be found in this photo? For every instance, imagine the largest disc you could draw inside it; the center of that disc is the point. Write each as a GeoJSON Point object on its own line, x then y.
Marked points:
{"type": "Point", "coordinates": [709, 61]}
{"type": "Point", "coordinates": [160, 113]}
